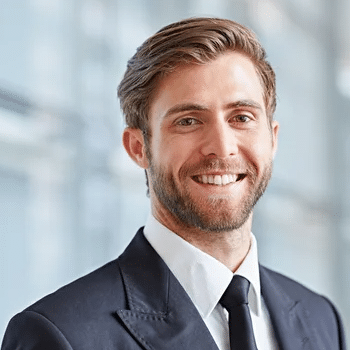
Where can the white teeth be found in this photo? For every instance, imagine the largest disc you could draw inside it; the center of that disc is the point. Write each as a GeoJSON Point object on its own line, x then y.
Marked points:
{"type": "Point", "coordinates": [217, 179]}
{"type": "Point", "coordinates": [233, 178]}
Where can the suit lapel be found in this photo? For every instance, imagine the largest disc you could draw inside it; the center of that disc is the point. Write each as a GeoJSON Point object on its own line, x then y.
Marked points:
{"type": "Point", "coordinates": [160, 314]}
{"type": "Point", "coordinates": [289, 318]}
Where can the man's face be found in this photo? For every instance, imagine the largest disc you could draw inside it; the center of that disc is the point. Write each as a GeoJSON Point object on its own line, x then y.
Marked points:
{"type": "Point", "coordinates": [211, 149]}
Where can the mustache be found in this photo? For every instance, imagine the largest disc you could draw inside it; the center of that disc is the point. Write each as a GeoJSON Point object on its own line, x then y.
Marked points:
{"type": "Point", "coordinates": [208, 165]}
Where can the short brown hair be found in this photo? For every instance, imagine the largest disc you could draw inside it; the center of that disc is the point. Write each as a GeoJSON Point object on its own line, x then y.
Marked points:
{"type": "Point", "coordinates": [194, 40]}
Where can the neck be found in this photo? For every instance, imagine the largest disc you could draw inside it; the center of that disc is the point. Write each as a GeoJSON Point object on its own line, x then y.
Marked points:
{"type": "Point", "coordinates": [230, 248]}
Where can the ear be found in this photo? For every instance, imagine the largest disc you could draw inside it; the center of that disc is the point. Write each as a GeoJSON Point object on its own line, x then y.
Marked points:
{"type": "Point", "coordinates": [134, 144]}
{"type": "Point", "coordinates": [275, 128]}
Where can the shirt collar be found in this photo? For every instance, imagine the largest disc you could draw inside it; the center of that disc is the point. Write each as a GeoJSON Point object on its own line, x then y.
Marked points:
{"type": "Point", "coordinates": [203, 277]}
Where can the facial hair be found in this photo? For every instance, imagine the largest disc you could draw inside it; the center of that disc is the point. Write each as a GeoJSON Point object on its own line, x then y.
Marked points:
{"type": "Point", "coordinates": [210, 214]}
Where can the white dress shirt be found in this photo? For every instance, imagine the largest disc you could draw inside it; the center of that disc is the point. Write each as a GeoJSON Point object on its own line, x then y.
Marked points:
{"type": "Point", "coordinates": [205, 279]}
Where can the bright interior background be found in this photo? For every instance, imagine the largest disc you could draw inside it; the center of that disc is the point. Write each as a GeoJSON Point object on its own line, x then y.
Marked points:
{"type": "Point", "coordinates": [70, 200]}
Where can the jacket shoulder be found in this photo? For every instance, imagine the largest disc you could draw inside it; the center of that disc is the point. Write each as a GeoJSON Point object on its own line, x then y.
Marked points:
{"type": "Point", "coordinates": [96, 290]}
{"type": "Point", "coordinates": [73, 316]}
{"type": "Point", "coordinates": [296, 290]}
{"type": "Point", "coordinates": [30, 330]}
{"type": "Point", "coordinates": [320, 311]}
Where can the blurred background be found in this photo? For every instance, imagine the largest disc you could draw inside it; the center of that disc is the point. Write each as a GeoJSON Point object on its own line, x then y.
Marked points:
{"type": "Point", "coordinates": [70, 199]}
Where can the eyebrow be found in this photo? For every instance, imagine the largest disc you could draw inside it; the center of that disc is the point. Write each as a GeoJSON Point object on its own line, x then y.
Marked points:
{"type": "Point", "coordinates": [190, 107]}
{"type": "Point", "coordinates": [184, 107]}
{"type": "Point", "coordinates": [244, 103]}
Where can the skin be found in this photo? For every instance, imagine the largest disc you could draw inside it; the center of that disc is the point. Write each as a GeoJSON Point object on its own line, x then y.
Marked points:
{"type": "Point", "coordinates": [208, 120]}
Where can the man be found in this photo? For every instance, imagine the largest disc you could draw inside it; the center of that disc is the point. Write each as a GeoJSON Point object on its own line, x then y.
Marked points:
{"type": "Point", "coordinates": [198, 99]}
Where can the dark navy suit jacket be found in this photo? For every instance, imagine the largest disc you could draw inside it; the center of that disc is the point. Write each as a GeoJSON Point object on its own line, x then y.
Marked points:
{"type": "Point", "coordinates": [135, 302]}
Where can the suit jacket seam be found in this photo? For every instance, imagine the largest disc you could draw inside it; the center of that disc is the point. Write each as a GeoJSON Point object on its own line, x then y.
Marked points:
{"type": "Point", "coordinates": [130, 299]}
{"type": "Point", "coordinates": [137, 334]}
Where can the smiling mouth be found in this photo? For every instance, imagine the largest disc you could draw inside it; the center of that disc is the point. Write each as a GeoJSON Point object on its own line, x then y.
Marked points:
{"type": "Point", "coordinates": [218, 180]}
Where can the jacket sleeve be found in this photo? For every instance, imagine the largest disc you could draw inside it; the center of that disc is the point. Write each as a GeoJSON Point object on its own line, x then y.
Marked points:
{"type": "Point", "coordinates": [29, 330]}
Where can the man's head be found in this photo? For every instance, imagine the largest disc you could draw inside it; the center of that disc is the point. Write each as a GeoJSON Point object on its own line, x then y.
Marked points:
{"type": "Point", "coordinates": [195, 40]}
{"type": "Point", "coordinates": [198, 99]}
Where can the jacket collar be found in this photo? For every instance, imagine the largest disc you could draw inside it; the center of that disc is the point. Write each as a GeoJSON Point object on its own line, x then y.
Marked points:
{"type": "Point", "coordinates": [160, 314]}
{"type": "Point", "coordinates": [203, 277]}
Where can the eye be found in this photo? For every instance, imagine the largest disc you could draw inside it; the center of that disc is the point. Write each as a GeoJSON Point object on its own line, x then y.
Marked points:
{"type": "Point", "coordinates": [187, 122]}
{"type": "Point", "coordinates": [241, 118]}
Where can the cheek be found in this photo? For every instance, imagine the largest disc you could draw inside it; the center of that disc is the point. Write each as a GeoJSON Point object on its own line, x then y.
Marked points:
{"type": "Point", "coordinates": [175, 151]}
{"type": "Point", "coordinates": [259, 151]}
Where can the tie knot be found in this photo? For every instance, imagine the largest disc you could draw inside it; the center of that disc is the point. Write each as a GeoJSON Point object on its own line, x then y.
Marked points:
{"type": "Point", "coordinates": [236, 293]}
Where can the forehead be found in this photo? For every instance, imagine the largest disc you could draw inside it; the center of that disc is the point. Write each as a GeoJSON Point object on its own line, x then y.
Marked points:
{"type": "Point", "coordinates": [229, 78]}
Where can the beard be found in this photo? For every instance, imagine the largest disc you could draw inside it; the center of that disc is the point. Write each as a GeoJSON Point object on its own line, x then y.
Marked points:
{"type": "Point", "coordinates": [208, 213]}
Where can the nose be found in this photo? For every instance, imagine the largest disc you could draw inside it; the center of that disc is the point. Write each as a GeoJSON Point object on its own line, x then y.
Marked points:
{"type": "Point", "coordinates": [220, 140]}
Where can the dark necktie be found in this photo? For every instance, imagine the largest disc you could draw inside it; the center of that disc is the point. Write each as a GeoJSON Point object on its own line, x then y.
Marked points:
{"type": "Point", "coordinates": [235, 301]}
